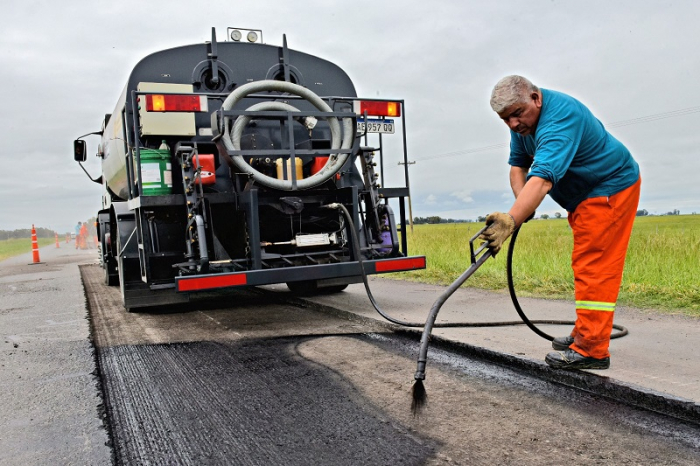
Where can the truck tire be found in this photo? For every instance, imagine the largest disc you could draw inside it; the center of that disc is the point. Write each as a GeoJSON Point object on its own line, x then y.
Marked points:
{"type": "Point", "coordinates": [121, 269]}
{"type": "Point", "coordinates": [333, 289]}
{"type": "Point", "coordinates": [110, 273]}
{"type": "Point", "coordinates": [303, 288]}
{"type": "Point", "coordinates": [311, 288]}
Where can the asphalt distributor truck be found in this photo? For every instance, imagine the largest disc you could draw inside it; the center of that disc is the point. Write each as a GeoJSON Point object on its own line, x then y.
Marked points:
{"type": "Point", "coordinates": [234, 164]}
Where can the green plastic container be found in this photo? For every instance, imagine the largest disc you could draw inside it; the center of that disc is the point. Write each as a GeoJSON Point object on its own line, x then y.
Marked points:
{"type": "Point", "coordinates": [156, 172]}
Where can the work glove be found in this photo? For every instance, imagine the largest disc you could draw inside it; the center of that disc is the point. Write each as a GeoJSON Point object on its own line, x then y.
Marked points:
{"type": "Point", "coordinates": [500, 227]}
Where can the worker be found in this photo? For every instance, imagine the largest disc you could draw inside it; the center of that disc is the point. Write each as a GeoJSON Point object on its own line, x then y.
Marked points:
{"type": "Point", "coordinates": [559, 148]}
{"type": "Point", "coordinates": [83, 236]}
{"type": "Point", "coordinates": [77, 235]}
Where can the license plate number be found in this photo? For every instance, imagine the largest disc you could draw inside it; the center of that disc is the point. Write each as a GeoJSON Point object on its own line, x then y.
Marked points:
{"type": "Point", "coordinates": [375, 126]}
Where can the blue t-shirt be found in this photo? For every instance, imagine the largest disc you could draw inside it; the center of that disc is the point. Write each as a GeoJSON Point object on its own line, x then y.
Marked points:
{"type": "Point", "coordinates": [572, 149]}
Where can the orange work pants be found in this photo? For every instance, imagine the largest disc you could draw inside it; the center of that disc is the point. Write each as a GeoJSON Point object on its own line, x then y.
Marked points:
{"type": "Point", "coordinates": [602, 228]}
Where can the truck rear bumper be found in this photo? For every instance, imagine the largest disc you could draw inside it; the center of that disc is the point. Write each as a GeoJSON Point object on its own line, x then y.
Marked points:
{"type": "Point", "coordinates": [292, 274]}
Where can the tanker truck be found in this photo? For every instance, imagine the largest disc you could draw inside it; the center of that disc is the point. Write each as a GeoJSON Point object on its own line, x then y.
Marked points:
{"type": "Point", "coordinates": [239, 164]}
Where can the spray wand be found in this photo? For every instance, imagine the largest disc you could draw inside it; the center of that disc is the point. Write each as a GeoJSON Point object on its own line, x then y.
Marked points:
{"type": "Point", "coordinates": [478, 257]}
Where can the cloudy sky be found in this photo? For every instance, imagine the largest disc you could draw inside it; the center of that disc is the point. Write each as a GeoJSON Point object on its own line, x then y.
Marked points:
{"type": "Point", "coordinates": [634, 63]}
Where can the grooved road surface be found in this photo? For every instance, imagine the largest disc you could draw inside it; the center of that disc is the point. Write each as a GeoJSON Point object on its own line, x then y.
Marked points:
{"type": "Point", "coordinates": [253, 380]}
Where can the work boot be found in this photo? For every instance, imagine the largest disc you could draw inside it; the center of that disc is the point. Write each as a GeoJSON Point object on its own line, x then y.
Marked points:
{"type": "Point", "coordinates": [562, 343]}
{"type": "Point", "coordinates": [570, 359]}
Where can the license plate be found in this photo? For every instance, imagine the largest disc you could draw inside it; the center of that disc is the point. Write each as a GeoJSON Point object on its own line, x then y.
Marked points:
{"type": "Point", "coordinates": [375, 126]}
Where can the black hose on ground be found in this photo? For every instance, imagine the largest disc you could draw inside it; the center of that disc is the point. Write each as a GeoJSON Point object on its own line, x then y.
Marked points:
{"type": "Point", "coordinates": [419, 395]}
{"type": "Point", "coordinates": [530, 323]}
{"type": "Point", "coordinates": [440, 301]}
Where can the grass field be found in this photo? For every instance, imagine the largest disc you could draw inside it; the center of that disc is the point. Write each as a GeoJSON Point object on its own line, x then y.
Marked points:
{"type": "Point", "coordinates": [662, 269]}
{"type": "Point", "coordinates": [15, 247]}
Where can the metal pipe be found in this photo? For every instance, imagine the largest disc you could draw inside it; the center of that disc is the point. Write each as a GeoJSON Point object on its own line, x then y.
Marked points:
{"type": "Point", "coordinates": [202, 241]}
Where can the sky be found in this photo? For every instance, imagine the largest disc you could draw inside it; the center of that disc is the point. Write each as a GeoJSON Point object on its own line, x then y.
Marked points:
{"type": "Point", "coordinates": [633, 63]}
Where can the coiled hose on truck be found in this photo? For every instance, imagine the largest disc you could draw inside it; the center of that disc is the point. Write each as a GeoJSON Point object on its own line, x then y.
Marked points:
{"type": "Point", "coordinates": [231, 138]}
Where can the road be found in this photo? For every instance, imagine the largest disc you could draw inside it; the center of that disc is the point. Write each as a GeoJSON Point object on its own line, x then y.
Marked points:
{"type": "Point", "coordinates": [255, 378]}
{"type": "Point", "coordinates": [49, 394]}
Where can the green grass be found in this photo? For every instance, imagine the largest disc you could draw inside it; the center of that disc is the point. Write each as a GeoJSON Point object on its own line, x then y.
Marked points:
{"type": "Point", "coordinates": [661, 272]}
{"type": "Point", "coordinates": [15, 247]}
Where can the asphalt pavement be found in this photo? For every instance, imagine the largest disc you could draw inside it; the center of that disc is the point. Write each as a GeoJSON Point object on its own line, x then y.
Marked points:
{"type": "Point", "coordinates": [51, 408]}
{"type": "Point", "coordinates": [50, 402]}
{"type": "Point", "coordinates": [658, 355]}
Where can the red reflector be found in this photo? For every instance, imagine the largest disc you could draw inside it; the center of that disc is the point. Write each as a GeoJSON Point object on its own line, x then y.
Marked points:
{"type": "Point", "coordinates": [206, 283]}
{"type": "Point", "coordinates": [174, 103]}
{"type": "Point", "coordinates": [374, 108]}
{"type": "Point", "coordinates": [400, 264]}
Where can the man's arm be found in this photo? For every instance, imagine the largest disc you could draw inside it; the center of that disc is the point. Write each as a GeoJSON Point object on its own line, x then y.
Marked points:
{"type": "Point", "coordinates": [518, 176]}
{"type": "Point", "coordinates": [528, 197]}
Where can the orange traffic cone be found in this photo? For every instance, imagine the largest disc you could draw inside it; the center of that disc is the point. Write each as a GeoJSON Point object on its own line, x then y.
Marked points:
{"type": "Point", "coordinates": [57, 245]}
{"type": "Point", "coordinates": [35, 248]}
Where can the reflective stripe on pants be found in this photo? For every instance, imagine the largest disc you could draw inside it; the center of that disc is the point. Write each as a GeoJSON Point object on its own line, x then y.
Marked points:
{"type": "Point", "coordinates": [601, 228]}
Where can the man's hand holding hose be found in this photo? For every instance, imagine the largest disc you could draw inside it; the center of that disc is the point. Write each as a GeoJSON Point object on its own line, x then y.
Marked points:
{"type": "Point", "coordinates": [500, 227]}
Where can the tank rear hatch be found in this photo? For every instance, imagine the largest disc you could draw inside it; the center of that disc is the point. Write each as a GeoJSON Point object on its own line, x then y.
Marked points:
{"type": "Point", "coordinates": [238, 63]}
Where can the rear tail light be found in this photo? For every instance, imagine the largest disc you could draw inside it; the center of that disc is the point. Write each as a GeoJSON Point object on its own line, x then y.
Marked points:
{"type": "Point", "coordinates": [175, 103]}
{"type": "Point", "coordinates": [395, 265]}
{"type": "Point", "coordinates": [378, 108]}
{"type": "Point", "coordinates": [211, 281]}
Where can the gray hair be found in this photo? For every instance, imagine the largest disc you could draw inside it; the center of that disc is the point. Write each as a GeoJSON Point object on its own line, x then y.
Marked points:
{"type": "Point", "coordinates": [510, 90]}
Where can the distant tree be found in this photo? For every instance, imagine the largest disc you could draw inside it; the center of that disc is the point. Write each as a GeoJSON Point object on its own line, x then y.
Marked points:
{"type": "Point", "coordinates": [557, 214]}
{"type": "Point", "coordinates": [436, 219]}
{"type": "Point", "coordinates": [481, 218]}
{"type": "Point", "coordinates": [642, 213]}
{"type": "Point", "coordinates": [544, 216]}
{"type": "Point", "coordinates": [27, 233]}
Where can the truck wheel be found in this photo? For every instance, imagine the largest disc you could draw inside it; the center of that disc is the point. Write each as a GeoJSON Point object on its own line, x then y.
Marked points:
{"type": "Point", "coordinates": [110, 273]}
{"type": "Point", "coordinates": [303, 288]}
{"type": "Point", "coordinates": [333, 289]}
{"type": "Point", "coordinates": [310, 288]}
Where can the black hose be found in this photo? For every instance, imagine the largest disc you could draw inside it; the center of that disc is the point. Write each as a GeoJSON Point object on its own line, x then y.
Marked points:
{"type": "Point", "coordinates": [530, 323]}
{"type": "Point", "coordinates": [441, 300]}
{"type": "Point", "coordinates": [419, 393]}
{"type": "Point", "coordinates": [525, 320]}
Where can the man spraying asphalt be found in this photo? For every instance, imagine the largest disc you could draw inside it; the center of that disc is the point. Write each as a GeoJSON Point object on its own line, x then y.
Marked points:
{"type": "Point", "coordinates": [559, 148]}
